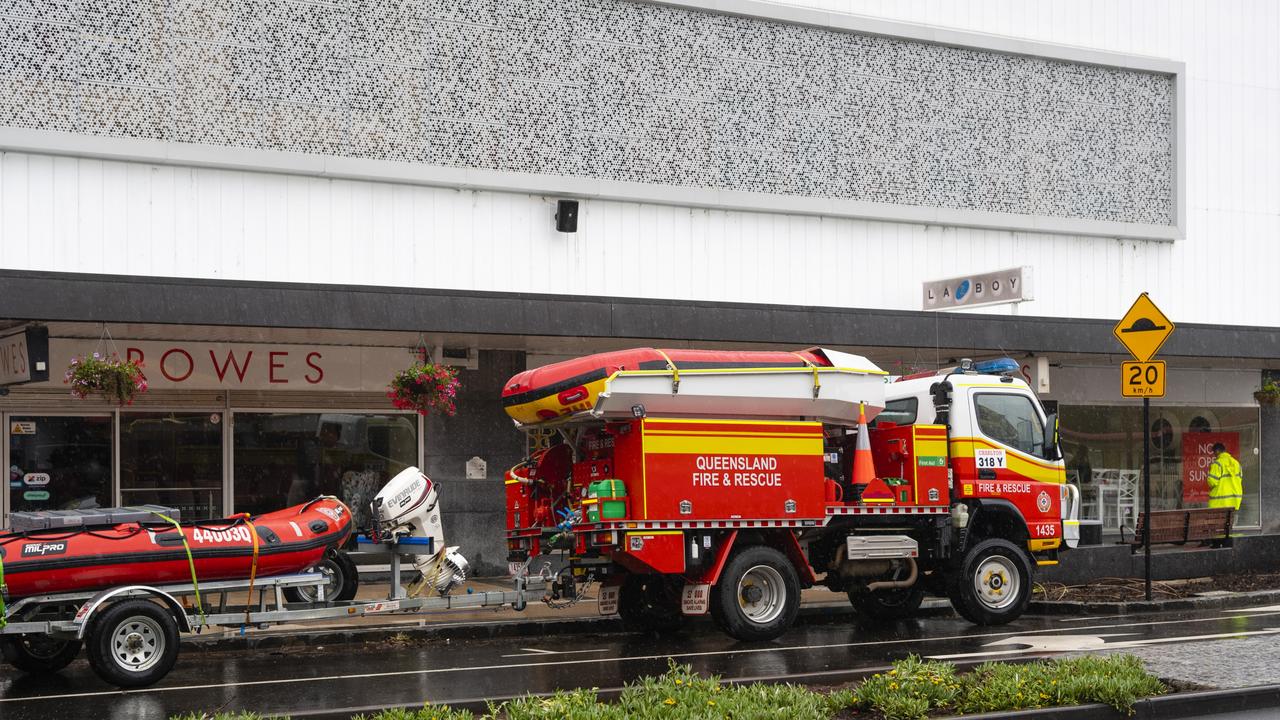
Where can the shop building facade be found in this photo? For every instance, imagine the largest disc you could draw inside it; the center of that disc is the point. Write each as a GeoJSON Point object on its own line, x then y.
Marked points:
{"type": "Point", "coordinates": [274, 205]}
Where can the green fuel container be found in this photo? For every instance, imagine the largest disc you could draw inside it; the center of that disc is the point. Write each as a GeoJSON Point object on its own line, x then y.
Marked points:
{"type": "Point", "coordinates": [611, 500]}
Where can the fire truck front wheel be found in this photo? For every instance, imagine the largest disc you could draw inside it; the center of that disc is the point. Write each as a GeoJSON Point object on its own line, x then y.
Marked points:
{"type": "Point", "coordinates": [993, 585]}
{"type": "Point", "coordinates": [758, 595]}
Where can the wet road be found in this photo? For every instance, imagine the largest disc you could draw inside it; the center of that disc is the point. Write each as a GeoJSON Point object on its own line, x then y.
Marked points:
{"type": "Point", "coordinates": [340, 681]}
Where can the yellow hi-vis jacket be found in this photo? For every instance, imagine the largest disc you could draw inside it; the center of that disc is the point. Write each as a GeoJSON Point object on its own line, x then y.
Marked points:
{"type": "Point", "coordinates": [1226, 486]}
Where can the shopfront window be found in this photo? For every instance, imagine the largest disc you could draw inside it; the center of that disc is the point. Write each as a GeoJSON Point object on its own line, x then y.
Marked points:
{"type": "Point", "coordinates": [58, 463]}
{"type": "Point", "coordinates": [283, 459]}
{"type": "Point", "coordinates": [1103, 450]}
{"type": "Point", "coordinates": [172, 459]}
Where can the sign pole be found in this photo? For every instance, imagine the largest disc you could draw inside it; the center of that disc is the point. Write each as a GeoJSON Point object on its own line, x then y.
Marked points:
{"type": "Point", "coordinates": [1146, 489]}
{"type": "Point", "coordinates": [1142, 331]}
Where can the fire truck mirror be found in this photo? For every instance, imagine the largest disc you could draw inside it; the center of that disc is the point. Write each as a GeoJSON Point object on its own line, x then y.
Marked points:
{"type": "Point", "coordinates": [1051, 450]}
{"type": "Point", "coordinates": [941, 392]}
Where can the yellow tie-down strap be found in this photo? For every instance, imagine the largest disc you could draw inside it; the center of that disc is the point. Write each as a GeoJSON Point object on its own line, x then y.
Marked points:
{"type": "Point", "coordinates": [675, 372]}
{"type": "Point", "coordinates": [191, 562]}
{"type": "Point", "coordinates": [817, 382]}
{"type": "Point", "coordinates": [253, 568]}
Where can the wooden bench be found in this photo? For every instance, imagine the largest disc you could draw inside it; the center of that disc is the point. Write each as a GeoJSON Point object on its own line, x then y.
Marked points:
{"type": "Point", "coordinates": [1178, 527]}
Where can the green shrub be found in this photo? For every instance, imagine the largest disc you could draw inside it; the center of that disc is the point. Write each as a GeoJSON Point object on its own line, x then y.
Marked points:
{"type": "Point", "coordinates": [910, 690]}
{"type": "Point", "coordinates": [1115, 680]}
{"type": "Point", "coordinates": [563, 705]}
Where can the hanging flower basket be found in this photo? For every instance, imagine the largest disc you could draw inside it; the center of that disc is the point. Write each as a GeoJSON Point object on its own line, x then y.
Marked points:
{"type": "Point", "coordinates": [116, 380]}
{"type": "Point", "coordinates": [425, 387]}
{"type": "Point", "coordinates": [1269, 393]}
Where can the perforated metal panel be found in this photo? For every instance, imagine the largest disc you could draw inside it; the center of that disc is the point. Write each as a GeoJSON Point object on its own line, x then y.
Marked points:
{"type": "Point", "coordinates": [603, 89]}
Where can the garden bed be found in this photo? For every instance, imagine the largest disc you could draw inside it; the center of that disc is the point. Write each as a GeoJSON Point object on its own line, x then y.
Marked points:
{"type": "Point", "coordinates": [1131, 589]}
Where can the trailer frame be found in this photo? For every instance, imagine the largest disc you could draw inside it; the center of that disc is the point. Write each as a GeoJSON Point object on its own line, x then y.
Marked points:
{"type": "Point", "coordinates": [75, 617]}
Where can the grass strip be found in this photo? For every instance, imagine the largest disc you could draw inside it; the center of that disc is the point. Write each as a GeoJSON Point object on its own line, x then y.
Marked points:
{"type": "Point", "coordinates": [914, 689]}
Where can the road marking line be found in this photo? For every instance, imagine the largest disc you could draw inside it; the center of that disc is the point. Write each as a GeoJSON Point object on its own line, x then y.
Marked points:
{"type": "Point", "coordinates": [1033, 647]}
{"type": "Point", "coordinates": [664, 656]}
{"type": "Point", "coordinates": [536, 652]}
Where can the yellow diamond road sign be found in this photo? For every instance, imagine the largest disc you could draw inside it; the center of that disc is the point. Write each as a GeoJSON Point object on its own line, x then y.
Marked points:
{"type": "Point", "coordinates": [1143, 329]}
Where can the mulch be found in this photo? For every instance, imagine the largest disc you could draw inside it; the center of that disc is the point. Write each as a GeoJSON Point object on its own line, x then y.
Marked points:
{"type": "Point", "coordinates": [1124, 589]}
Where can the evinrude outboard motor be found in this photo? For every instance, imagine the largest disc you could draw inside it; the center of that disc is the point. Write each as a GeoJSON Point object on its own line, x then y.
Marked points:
{"type": "Point", "coordinates": [407, 507]}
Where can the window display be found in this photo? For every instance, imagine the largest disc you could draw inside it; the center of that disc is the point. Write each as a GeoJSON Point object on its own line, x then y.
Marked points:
{"type": "Point", "coordinates": [288, 458]}
{"type": "Point", "coordinates": [1103, 447]}
{"type": "Point", "coordinates": [59, 462]}
{"type": "Point", "coordinates": [172, 459]}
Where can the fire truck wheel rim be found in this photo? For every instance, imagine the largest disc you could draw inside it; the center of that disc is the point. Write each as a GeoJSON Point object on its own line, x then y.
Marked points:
{"type": "Point", "coordinates": [996, 582]}
{"type": "Point", "coordinates": [138, 643]}
{"type": "Point", "coordinates": [771, 590]}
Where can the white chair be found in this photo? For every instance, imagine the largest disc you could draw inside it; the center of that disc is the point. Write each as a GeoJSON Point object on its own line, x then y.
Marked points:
{"type": "Point", "coordinates": [1127, 499]}
{"type": "Point", "coordinates": [1107, 482]}
{"type": "Point", "coordinates": [1090, 501]}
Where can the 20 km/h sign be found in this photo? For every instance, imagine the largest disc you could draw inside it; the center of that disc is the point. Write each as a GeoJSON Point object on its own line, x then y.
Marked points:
{"type": "Point", "coordinates": [1142, 379]}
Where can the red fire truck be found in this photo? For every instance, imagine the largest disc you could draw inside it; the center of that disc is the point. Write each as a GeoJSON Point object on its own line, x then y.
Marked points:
{"type": "Point", "coordinates": [695, 482]}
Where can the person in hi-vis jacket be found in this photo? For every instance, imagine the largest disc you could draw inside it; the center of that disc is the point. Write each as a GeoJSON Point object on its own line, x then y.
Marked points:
{"type": "Point", "coordinates": [1226, 486]}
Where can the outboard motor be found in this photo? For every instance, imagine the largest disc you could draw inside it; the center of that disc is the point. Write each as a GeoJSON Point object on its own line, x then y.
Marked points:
{"type": "Point", "coordinates": [407, 507]}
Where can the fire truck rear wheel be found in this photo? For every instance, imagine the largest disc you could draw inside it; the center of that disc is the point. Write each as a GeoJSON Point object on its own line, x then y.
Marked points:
{"type": "Point", "coordinates": [650, 603]}
{"type": "Point", "coordinates": [895, 604]}
{"type": "Point", "coordinates": [758, 595]}
{"type": "Point", "coordinates": [993, 585]}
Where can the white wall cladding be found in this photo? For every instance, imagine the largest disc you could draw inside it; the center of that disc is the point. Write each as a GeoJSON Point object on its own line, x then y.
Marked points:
{"type": "Point", "coordinates": [609, 89]}
{"type": "Point", "coordinates": [83, 215]}
{"type": "Point", "coordinates": [87, 215]}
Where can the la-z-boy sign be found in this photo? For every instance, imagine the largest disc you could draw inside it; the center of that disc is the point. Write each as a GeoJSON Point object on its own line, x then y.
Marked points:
{"type": "Point", "coordinates": [249, 366]}
{"type": "Point", "coordinates": [993, 288]}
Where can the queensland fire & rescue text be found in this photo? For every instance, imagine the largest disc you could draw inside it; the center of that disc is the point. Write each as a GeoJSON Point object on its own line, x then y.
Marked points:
{"type": "Point", "coordinates": [736, 471]}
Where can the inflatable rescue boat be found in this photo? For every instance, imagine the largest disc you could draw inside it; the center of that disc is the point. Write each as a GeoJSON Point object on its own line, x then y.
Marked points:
{"type": "Point", "coordinates": [99, 551]}
{"type": "Point", "coordinates": [814, 383]}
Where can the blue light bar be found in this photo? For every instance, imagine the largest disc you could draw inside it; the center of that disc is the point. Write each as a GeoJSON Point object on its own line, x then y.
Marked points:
{"type": "Point", "coordinates": [997, 366]}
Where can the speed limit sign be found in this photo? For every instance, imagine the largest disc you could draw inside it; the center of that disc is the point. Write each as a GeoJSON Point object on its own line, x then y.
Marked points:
{"type": "Point", "coordinates": [1142, 379]}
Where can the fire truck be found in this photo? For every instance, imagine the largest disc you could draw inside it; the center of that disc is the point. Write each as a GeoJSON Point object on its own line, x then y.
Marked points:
{"type": "Point", "coordinates": [696, 482]}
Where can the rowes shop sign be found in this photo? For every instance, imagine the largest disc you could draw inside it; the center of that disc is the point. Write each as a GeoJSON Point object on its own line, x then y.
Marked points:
{"type": "Point", "coordinates": [249, 366]}
{"type": "Point", "coordinates": [24, 355]}
{"type": "Point", "coordinates": [993, 288]}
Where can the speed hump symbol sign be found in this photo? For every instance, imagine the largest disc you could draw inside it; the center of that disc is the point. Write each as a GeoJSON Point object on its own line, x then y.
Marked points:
{"type": "Point", "coordinates": [1143, 329]}
{"type": "Point", "coordinates": [1142, 379]}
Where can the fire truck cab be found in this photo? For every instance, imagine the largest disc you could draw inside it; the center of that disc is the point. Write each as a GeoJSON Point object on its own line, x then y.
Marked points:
{"type": "Point", "coordinates": [719, 483]}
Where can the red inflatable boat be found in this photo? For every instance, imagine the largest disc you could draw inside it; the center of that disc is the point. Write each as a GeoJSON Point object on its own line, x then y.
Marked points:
{"type": "Point", "coordinates": [151, 552]}
{"type": "Point", "coordinates": [564, 388]}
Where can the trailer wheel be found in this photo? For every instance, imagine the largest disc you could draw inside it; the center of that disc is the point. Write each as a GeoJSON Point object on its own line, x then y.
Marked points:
{"type": "Point", "coordinates": [993, 585]}
{"type": "Point", "coordinates": [134, 643]}
{"type": "Point", "coordinates": [758, 595]}
{"type": "Point", "coordinates": [39, 654]}
{"type": "Point", "coordinates": [650, 603]}
{"type": "Point", "coordinates": [895, 604]}
{"type": "Point", "coordinates": [342, 579]}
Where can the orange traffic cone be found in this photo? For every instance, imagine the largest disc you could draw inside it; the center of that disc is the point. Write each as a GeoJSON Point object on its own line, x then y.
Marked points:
{"type": "Point", "coordinates": [864, 466]}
